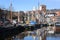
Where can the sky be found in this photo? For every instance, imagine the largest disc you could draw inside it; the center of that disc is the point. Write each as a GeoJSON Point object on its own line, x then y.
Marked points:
{"type": "Point", "coordinates": [25, 5]}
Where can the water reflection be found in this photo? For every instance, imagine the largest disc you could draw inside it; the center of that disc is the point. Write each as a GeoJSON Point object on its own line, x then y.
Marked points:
{"type": "Point", "coordinates": [35, 35]}
{"type": "Point", "coordinates": [26, 36]}
{"type": "Point", "coordinates": [53, 38]}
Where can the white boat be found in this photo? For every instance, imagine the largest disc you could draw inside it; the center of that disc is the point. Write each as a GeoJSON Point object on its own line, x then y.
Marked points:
{"type": "Point", "coordinates": [51, 31]}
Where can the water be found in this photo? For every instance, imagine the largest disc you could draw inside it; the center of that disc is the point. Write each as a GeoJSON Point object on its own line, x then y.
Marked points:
{"type": "Point", "coordinates": [36, 38]}
{"type": "Point", "coordinates": [33, 36]}
{"type": "Point", "coordinates": [26, 36]}
{"type": "Point", "coordinates": [53, 38]}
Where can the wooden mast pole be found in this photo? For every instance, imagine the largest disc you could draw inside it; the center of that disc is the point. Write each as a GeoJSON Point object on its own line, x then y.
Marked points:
{"type": "Point", "coordinates": [11, 10]}
{"type": "Point", "coordinates": [18, 17]}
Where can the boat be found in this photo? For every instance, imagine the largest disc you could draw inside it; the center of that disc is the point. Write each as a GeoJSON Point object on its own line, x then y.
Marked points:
{"type": "Point", "coordinates": [57, 27]}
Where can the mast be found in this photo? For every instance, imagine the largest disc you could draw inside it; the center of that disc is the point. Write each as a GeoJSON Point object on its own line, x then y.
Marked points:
{"type": "Point", "coordinates": [18, 17]}
{"type": "Point", "coordinates": [38, 4]}
{"type": "Point", "coordinates": [11, 10]}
